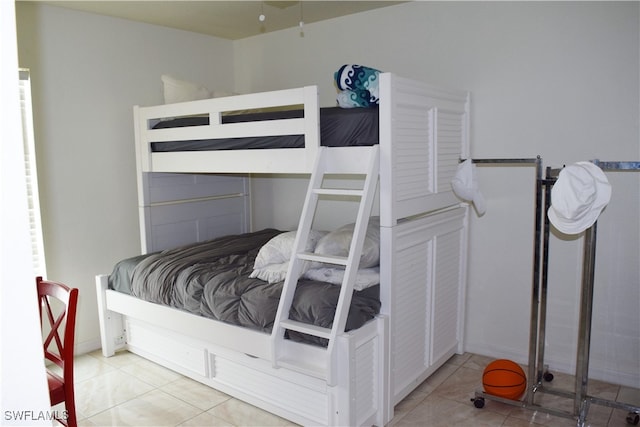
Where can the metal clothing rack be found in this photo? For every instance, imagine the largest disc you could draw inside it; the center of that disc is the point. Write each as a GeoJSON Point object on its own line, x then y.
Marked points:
{"type": "Point", "coordinates": [537, 370]}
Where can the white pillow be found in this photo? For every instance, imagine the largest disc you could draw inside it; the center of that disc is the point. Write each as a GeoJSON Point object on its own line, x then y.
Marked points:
{"type": "Point", "coordinates": [271, 273]}
{"type": "Point", "coordinates": [365, 277]}
{"type": "Point", "coordinates": [279, 248]}
{"type": "Point", "coordinates": [337, 243]}
{"type": "Point", "coordinates": [176, 90]}
{"type": "Point", "coordinates": [272, 261]}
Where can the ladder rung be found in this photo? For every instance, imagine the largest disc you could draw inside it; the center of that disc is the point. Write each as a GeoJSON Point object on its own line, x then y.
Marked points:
{"type": "Point", "coordinates": [328, 259]}
{"type": "Point", "coordinates": [338, 192]}
{"type": "Point", "coordinates": [306, 328]}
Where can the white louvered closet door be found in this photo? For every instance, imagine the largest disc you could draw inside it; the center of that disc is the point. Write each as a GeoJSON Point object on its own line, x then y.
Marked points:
{"type": "Point", "coordinates": [428, 284]}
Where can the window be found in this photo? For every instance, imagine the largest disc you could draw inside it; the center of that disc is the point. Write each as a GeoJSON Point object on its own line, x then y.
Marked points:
{"type": "Point", "coordinates": [31, 176]}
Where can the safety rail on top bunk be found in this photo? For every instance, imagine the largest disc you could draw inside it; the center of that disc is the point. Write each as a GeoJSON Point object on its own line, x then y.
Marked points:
{"type": "Point", "coordinates": [291, 160]}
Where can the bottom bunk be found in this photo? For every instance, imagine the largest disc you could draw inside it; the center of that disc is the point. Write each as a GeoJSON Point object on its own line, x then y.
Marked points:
{"type": "Point", "coordinates": [414, 326]}
{"type": "Point", "coordinates": [207, 310]}
{"type": "Point", "coordinates": [212, 353]}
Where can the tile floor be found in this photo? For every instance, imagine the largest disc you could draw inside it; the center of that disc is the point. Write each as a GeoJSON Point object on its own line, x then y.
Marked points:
{"type": "Point", "coordinates": [126, 390]}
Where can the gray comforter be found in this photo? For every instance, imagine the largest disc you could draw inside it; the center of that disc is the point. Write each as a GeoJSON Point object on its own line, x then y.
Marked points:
{"type": "Point", "coordinates": [211, 279]}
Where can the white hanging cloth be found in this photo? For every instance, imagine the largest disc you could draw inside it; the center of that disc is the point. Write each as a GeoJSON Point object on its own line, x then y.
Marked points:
{"type": "Point", "coordinates": [578, 197]}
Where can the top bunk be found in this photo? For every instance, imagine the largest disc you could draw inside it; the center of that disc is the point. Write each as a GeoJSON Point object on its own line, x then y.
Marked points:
{"type": "Point", "coordinates": [204, 136]}
{"type": "Point", "coordinates": [422, 130]}
{"type": "Point", "coordinates": [210, 123]}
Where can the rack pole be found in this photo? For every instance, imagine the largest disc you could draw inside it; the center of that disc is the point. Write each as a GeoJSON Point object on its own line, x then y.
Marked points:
{"type": "Point", "coordinates": [545, 280]}
{"type": "Point", "coordinates": [581, 404]}
{"type": "Point", "coordinates": [536, 296]}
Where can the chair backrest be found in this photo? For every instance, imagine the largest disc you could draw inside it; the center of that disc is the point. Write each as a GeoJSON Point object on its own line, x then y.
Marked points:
{"type": "Point", "coordinates": [58, 303]}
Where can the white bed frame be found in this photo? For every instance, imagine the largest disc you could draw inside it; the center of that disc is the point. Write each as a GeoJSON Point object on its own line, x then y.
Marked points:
{"type": "Point", "coordinates": [423, 134]}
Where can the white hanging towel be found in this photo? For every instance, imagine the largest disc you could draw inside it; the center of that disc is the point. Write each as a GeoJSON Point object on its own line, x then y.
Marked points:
{"type": "Point", "coordinates": [465, 186]}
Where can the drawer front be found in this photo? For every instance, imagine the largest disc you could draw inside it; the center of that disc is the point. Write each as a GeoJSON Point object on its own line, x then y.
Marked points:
{"type": "Point", "coordinates": [183, 354]}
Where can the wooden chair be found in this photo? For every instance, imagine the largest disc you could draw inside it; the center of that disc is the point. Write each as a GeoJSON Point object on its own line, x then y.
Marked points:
{"type": "Point", "coordinates": [59, 303]}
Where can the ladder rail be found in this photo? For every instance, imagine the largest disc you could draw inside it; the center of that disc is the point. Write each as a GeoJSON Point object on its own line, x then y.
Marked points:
{"type": "Point", "coordinates": [355, 250]}
{"type": "Point", "coordinates": [294, 269]}
{"type": "Point", "coordinates": [329, 161]}
{"type": "Point", "coordinates": [353, 263]}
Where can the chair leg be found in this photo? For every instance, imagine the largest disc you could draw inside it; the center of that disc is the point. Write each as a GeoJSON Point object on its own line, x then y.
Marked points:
{"type": "Point", "coordinates": [70, 406]}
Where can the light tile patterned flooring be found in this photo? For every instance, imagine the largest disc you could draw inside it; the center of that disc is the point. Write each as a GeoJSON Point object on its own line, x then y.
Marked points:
{"type": "Point", "coordinates": [126, 390]}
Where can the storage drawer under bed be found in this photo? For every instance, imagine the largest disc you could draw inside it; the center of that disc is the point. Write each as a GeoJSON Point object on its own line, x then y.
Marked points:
{"type": "Point", "coordinates": [290, 394]}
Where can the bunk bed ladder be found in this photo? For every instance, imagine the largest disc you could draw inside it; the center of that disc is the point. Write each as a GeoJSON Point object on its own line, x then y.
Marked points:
{"type": "Point", "coordinates": [362, 161]}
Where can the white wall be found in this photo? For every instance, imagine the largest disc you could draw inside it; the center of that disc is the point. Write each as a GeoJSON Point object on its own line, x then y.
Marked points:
{"type": "Point", "coordinates": [87, 72]}
{"type": "Point", "coordinates": [559, 80]}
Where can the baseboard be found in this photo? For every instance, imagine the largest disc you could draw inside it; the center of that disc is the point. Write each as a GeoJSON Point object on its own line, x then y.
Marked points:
{"type": "Point", "coordinates": [565, 366]}
{"type": "Point", "coordinates": [87, 346]}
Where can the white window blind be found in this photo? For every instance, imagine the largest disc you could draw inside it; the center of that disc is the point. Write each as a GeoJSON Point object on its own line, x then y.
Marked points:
{"type": "Point", "coordinates": [31, 176]}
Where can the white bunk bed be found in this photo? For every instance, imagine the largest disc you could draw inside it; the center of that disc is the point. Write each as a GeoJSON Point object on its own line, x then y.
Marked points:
{"type": "Point", "coordinates": [423, 132]}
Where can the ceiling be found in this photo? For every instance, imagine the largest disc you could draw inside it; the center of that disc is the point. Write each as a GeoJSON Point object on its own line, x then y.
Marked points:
{"type": "Point", "coordinates": [226, 19]}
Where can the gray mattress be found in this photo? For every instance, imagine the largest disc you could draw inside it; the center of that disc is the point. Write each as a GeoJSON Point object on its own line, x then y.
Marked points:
{"type": "Point", "coordinates": [210, 279]}
{"type": "Point", "coordinates": [339, 127]}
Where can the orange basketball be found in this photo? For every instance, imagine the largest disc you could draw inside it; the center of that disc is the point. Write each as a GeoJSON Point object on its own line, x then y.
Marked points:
{"type": "Point", "coordinates": [504, 378]}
